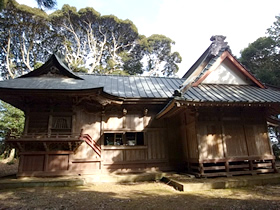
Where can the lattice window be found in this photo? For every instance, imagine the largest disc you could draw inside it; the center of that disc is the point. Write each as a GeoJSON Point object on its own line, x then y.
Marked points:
{"type": "Point", "coordinates": [61, 123]}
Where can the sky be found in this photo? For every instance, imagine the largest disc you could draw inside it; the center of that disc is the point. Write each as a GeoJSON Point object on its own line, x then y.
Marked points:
{"type": "Point", "coordinates": [190, 23]}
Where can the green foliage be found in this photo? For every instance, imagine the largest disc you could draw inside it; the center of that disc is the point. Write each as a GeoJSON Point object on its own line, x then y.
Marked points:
{"type": "Point", "coordinates": [160, 58]}
{"type": "Point", "coordinates": [11, 120]}
{"type": "Point", "coordinates": [3, 4]}
{"type": "Point", "coordinates": [119, 72]}
{"type": "Point", "coordinates": [25, 38]}
{"type": "Point", "coordinates": [89, 42]}
{"type": "Point", "coordinates": [38, 65]}
{"type": "Point", "coordinates": [262, 59]}
{"type": "Point", "coordinates": [274, 31]}
{"type": "Point", "coordinates": [262, 56]}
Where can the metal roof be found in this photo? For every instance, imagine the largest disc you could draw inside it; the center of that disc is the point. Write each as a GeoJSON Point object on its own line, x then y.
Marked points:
{"type": "Point", "coordinates": [231, 94]}
{"type": "Point", "coordinates": [148, 87]}
{"type": "Point", "coordinates": [120, 86]}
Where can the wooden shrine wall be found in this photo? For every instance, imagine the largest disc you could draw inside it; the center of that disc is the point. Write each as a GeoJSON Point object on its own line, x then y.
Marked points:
{"type": "Point", "coordinates": [151, 155]}
{"type": "Point", "coordinates": [233, 132]}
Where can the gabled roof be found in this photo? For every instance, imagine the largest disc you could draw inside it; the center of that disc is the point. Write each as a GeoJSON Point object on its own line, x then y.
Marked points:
{"type": "Point", "coordinates": [217, 78]}
{"type": "Point", "coordinates": [54, 67]}
{"type": "Point", "coordinates": [214, 62]}
{"type": "Point", "coordinates": [218, 60]}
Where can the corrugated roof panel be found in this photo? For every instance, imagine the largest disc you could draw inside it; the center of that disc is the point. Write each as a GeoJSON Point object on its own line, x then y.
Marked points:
{"type": "Point", "coordinates": [210, 93]}
{"type": "Point", "coordinates": [149, 93]}
{"type": "Point", "coordinates": [200, 96]}
{"type": "Point", "coordinates": [169, 87]}
{"type": "Point", "coordinates": [140, 88]}
{"type": "Point", "coordinates": [231, 93]}
{"type": "Point", "coordinates": [157, 87]}
{"type": "Point", "coordinates": [115, 88]}
{"type": "Point", "coordinates": [151, 82]}
{"type": "Point", "coordinates": [127, 88]}
{"type": "Point", "coordinates": [255, 93]}
{"type": "Point", "coordinates": [101, 80]}
{"type": "Point", "coordinates": [228, 93]}
{"type": "Point", "coordinates": [249, 97]}
{"type": "Point", "coordinates": [158, 84]}
{"type": "Point", "coordinates": [191, 95]}
{"type": "Point", "coordinates": [238, 94]}
{"type": "Point", "coordinates": [218, 93]}
{"type": "Point", "coordinates": [134, 87]}
{"type": "Point", "coordinates": [121, 90]}
{"type": "Point", "coordinates": [271, 95]}
{"type": "Point", "coordinates": [148, 87]}
{"type": "Point", "coordinates": [175, 83]}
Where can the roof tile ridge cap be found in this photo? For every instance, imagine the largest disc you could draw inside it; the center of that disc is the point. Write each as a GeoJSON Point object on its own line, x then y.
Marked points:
{"type": "Point", "coordinates": [216, 48]}
{"type": "Point", "coordinates": [218, 44]}
{"type": "Point", "coordinates": [185, 88]}
{"type": "Point", "coordinates": [207, 67]}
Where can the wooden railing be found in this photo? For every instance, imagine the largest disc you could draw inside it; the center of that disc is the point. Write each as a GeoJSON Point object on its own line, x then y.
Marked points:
{"type": "Point", "coordinates": [91, 142]}
{"type": "Point", "coordinates": [45, 136]}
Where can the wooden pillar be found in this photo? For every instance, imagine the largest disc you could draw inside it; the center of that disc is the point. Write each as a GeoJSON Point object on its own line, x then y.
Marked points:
{"type": "Point", "coordinates": [124, 118]}
{"type": "Point", "coordinates": [145, 120]}
{"type": "Point", "coordinates": [74, 125]}
{"type": "Point", "coordinates": [102, 126]}
{"type": "Point", "coordinates": [274, 165]}
{"type": "Point", "coordinates": [244, 131]}
{"type": "Point", "coordinates": [26, 123]}
{"type": "Point", "coordinates": [50, 122]}
{"type": "Point", "coordinates": [197, 135]}
{"type": "Point", "coordinates": [223, 142]}
{"type": "Point", "coordinates": [187, 140]}
{"type": "Point", "coordinates": [102, 136]}
{"type": "Point", "coordinates": [201, 168]}
{"type": "Point", "coordinates": [21, 161]}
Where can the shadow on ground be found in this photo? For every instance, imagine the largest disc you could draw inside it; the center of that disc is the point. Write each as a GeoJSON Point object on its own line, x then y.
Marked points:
{"type": "Point", "coordinates": [139, 196]}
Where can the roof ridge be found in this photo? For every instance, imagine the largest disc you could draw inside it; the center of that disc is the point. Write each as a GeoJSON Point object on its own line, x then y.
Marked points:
{"type": "Point", "coordinates": [116, 75]}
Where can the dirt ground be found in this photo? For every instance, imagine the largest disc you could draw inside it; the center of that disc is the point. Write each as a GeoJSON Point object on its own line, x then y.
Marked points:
{"type": "Point", "coordinates": [149, 195]}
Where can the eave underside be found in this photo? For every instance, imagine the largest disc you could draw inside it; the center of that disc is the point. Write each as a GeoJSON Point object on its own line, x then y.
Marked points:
{"type": "Point", "coordinates": [176, 106]}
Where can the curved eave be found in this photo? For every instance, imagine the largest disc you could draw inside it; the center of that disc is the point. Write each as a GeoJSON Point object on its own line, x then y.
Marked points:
{"type": "Point", "coordinates": [16, 96]}
{"type": "Point", "coordinates": [52, 61]}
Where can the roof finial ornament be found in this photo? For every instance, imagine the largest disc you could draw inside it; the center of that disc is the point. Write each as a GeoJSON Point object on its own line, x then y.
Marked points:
{"type": "Point", "coordinates": [218, 43]}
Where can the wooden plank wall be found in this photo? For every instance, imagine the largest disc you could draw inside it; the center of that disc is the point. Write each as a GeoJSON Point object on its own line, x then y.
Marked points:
{"type": "Point", "coordinates": [38, 122]}
{"type": "Point", "coordinates": [90, 123]}
{"type": "Point", "coordinates": [117, 121]}
{"type": "Point", "coordinates": [256, 134]}
{"type": "Point", "coordinates": [233, 132]}
{"type": "Point", "coordinates": [175, 140]}
{"type": "Point", "coordinates": [153, 154]}
{"type": "Point", "coordinates": [156, 144]}
{"type": "Point", "coordinates": [210, 137]}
